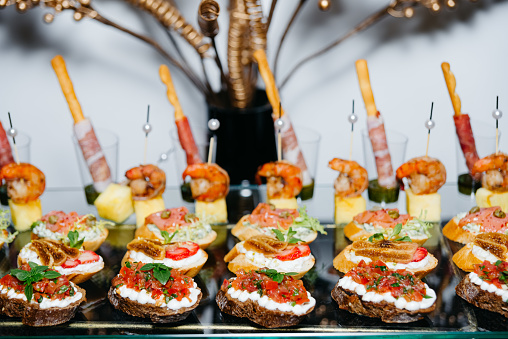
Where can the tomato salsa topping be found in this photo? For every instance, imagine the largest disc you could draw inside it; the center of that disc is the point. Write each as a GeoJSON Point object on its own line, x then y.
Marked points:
{"type": "Point", "coordinates": [171, 219]}
{"type": "Point", "coordinates": [493, 273]}
{"type": "Point", "coordinates": [266, 215]}
{"type": "Point", "coordinates": [280, 287]}
{"type": "Point", "coordinates": [163, 283]}
{"type": "Point", "coordinates": [491, 219]}
{"type": "Point", "coordinates": [39, 282]}
{"type": "Point", "coordinates": [386, 218]}
{"type": "Point", "coordinates": [378, 278]}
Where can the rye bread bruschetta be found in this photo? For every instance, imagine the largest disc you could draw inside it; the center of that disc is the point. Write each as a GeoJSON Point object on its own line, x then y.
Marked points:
{"type": "Point", "coordinates": [486, 287]}
{"type": "Point", "coordinates": [186, 256]}
{"type": "Point", "coordinates": [264, 251]}
{"type": "Point", "coordinates": [154, 291]}
{"type": "Point", "coordinates": [78, 265]}
{"type": "Point", "coordinates": [265, 218]}
{"type": "Point", "coordinates": [465, 226]}
{"type": "Point", "coordinates": [39, 296]}
{"type": "Point", "coordinates": [262, 297]}
{"type": "Point", "coordinates": [190, 227]}
{"type": "Point", "coordinates": [57, 224]}
{"type": "Point", "coordinates": [374, 290]}
{"type": "Point", "coordinates": [384, 221]}
{"type": "Point", "coordinates": [395, 254]}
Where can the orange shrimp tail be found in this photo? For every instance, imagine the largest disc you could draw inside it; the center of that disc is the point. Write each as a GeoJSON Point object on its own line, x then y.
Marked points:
{"type": "Point", "coordinates": [216, 178]}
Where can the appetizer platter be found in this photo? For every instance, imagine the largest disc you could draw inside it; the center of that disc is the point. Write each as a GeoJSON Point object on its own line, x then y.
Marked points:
{"type": "Point", "coordinates": [99, 315]}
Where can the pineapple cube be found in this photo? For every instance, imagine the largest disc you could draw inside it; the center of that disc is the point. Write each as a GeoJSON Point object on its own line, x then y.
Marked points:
{"type": "Point", "coordinates": [424, 206]}
{"type": "Point", "coordinates": [487, 198]}
{"type": "Point", "coordinates": [347, 208]}
{"type": "Point", "coordinates": [144, 208]}
{"type": "Point", "coordinates": [115, 203]}
{"type": "Point", "coordinates": [24, 215]}
{"type": "Point", "coordinates": [216, 209]}
{"type": "Point", "coordinates": [284, 203]}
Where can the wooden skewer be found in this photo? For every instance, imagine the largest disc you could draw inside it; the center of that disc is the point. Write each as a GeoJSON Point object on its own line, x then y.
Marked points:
{"type": "Point", "coordinates": [58, 64]}
{"type": "Point", "coordinates": [497, 127]}
{"type": "Point", "coordinates": [279, 137]}
{"type": "Point", "coordinates": [363, 78]}
{"type": "Point", "coordinates": [16, 154]}
{"type": "Point", "coordinates": [210, 150]}
{"type": "Point", "coordinates": [428, 134]}
{"type": "Point", "coordinates": [351, 138]}
{"type": "Point", "coordinates": [146, 134]}
{"type": "Point", "coordinates": [451, 84]}
{"type": "Point", "coordinates": [165, 76]}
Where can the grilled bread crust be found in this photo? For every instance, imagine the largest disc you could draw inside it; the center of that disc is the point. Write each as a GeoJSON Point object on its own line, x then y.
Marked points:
{"type": "Point", "coordinates": [455, 233]}
{"type": "Point", "coordinates": [473, 294]}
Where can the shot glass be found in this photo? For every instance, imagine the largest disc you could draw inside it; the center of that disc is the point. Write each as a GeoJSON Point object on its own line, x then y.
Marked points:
{"type": "Point", "coordinates": [485, 141]}
{"type": "Point", "coordinates": [397, 144]}
{"type": "Point", "coordinates": [23, 153]}
{"type": "Point", "coordinates": [109, 145]}
{"type": "Point", "coordinates": [308, 141]}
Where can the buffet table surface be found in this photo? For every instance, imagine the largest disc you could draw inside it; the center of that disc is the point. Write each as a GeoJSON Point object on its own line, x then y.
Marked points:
{"type": "Point", "coordinates": [453, 317]}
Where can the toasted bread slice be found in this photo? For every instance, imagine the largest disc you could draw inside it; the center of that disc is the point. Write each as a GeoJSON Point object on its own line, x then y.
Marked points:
{"type": "Point", "coordinates": [146, 233]}
{"type": "Point", "coordinates": [387, 251]}
{"type": "Point", "coordinates": [155, 250]}
{"type": "Point", "coordinates": [455, 233]}
{"type": "Point", "coordinates": [32, 315]}
{"type": "Point", "coordinates": [89, 245]}
{"type": "Point", "coordinates": [243, 232]}
{"type": "Point", "coordinates": [388, 312]}
{"type": "Point", "coordinates": [354, 232]}
{"type": "Point", "coordinates": [253, 311]}
{"type": "Point", "coordinates": [155, 313]}
{"type": "Point", "coordinates": [268, 248]}
{"type": "Point", "coordinates": [53, 254]}
{"type": "Point", "coordinates": [494, 243]}
{"type": "Point", "coordinates": [475, 295]}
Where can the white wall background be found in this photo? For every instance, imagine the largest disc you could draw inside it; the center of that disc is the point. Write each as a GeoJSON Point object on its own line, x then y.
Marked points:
{"type": "Point", "coordinates": [116, 76]}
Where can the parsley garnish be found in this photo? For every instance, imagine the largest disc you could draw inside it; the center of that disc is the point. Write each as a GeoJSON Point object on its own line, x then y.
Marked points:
{"type": "Point", "coordinates": [167, 237]}
{"type": "Point", "coordinates": [382, 268]}
{"type": "Point", "coordinates": [160, 271]}
{"type": "Point", "coordinates": [376, 237]}
{"type": "Point", "coordinates": [427, 296]}
{"type": "Point", "coordinates": [305, 221]}
{"type": "Point", "coordinates": [74, 241]}
{"type": "Point", "coordinates": [37, 273]}
{"type": "Point", "coordinates": [274, 275]}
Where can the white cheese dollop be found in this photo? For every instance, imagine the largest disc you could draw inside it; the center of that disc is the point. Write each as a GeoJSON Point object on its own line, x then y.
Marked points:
{"type": "Point", "coordinates": [144, 297]}
{"type": "Point", "coordinates": [46, 303]}
{"type": "Point", "coordinates": [502, 292]}
{"type": "Point", "coordinates": [483, 255]}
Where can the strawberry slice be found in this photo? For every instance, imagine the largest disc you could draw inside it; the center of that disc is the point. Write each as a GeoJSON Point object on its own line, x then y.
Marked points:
{"type": "Point", "coordinates": [178, 253]}
{"type": "Point", "coordinates": [191, 246]}
{"type": "Point", "coordinates": [420, 254]}
{"type": "Point", "coordinates": [87, 257]}
{"type": "Point", "coordinates": [294, 253]}
{"type": "Point", "coordinates": [70, 263]}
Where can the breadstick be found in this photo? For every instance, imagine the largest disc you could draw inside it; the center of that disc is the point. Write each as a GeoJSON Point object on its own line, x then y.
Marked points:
{"type": "Point", "coordinates": [165, 76]}
{"type": "Point", "coordinates": [363, 78]}
{"type": "Point", "coordinates": [58, 64]}
{"type": "Point", "coordinates": [451, 84]}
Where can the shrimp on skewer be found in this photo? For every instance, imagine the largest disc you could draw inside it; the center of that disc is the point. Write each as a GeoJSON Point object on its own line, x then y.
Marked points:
{"type": "Point", "coordinates": [495, 167]}
{"type": "Point", "coordinates": [25, 182]}
{"type": "Point", "coordinates": [284, 180]}
{"type": "Point", "coordinates": [146, 181]}
{"type": "Point", "coordinates": [210, 182]}
{"type": "Point", "coordinates": [425, 174]}
{"type": "Point", "coordinates": [352, 180]}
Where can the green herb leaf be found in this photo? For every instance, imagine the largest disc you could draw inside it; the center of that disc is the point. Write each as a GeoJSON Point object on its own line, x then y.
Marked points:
{"type": "Point", "coordinates": [499, 262]}
{"type": "Point", "coordinates": [167, 237]}
{"type": "Point", "coordinates": [36, 269]}
{"type": "Point", "coordinates": [427, 297]}
{"type": "Point", "coordinates": [29, 292]}
{"type": "Point", "coordinates": [128, 264]}
{"type": "Point", "coordinates": [279, 235]}
{"type": "Point", "coordinates": [74, 241]}
{"type": "Point", "coordinates": [35, 224]}
{"type": "Point", "coordinates": [396, 230]}
{"type": "Point", "coordinates": [51, 274]}
{"type": "Point", "coordinates": [376, 237]}
{"type": "Point", "coordinates": [161, 272]}
{"type": "Point", "coordinates": [395, 284]}
{"type": "Point", "coordinates": [404, 238]}
{"type": "Point", "coordinates": [22, 275]}
{"type": "Point", "coordinates": [274, 275]}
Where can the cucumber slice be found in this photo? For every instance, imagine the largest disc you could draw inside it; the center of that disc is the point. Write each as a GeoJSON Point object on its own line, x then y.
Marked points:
{"type": "Point", "coordinates": [382, 194]}
{"type": "Point", "coordinates": [186, 192]}
{"type": "Point", "coordinates": [467, 185]}
{"type": "Point", "coordinates": [307, 192]}
{"type": "Point", "coordinates": [4, 198]}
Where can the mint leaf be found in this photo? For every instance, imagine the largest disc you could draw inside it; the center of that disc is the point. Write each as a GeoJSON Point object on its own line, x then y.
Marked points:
{"type": "Point", "coordinates": [167, 237]}
{"type": "Point", "coordinates": [294, 240]}
{"type": "Point", "coordinates": [147, 267]}
{"type": "Point", "coordinates": [274, 275]}
{"type": "Point", "coordinates": [22, 275]}
{"type": "Point", "coordinates": [396, 230]}
{"type": "Point", "coordinates": [161, 272]}
{"type": "Point", "coordinates": [36, 269]}
{"type": "Point", "coordinates": [29, 292]}
{"type": "Point", "coordinates": [74, 241]}
{"type": "Point", "coordinates": [404, 238]}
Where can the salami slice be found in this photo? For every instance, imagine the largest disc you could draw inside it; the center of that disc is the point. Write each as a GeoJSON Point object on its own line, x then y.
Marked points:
{"type": "Point", "coordinates": [292, 151]}
{"type": "Point", "coordinates": [466, 139]}
{"type": "Point", "coordinates": [377, 137]}
{"type": "Point", "coordinates": [5, 148]}
{"type": "Point", "coordinates": [187, 141]}
{"type": "Point", "coordinates": [93, 154]}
